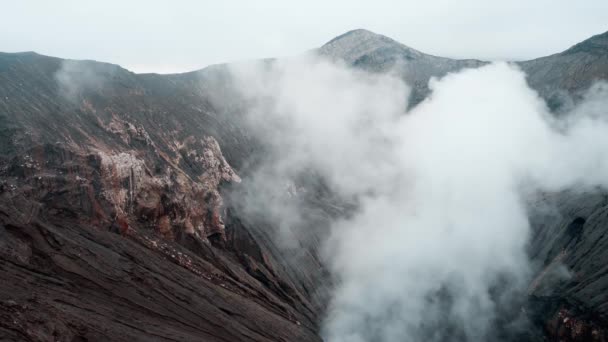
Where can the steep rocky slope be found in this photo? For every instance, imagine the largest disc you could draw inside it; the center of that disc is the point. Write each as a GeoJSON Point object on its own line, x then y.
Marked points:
{"type": "Point", "coordinates": [561, 78]}
{"type": "Point", "coordinates": [117, 218]}
{"type": "Point", "coordinates": [112, 215]}
{"type": "Point", "coordinates": [568, 293]}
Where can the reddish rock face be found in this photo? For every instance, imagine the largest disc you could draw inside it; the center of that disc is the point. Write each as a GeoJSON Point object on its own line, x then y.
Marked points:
{"type": "Point", "coordinates": [567, 326]}
{"type": "Point", "coordinates": [178, 203]}
{"type": "Point", "coordinates": [121, 186]}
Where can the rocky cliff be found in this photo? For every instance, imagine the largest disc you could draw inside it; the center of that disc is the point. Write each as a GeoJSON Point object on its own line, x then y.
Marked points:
{"type": "Point", "coordinates": [113, 217]}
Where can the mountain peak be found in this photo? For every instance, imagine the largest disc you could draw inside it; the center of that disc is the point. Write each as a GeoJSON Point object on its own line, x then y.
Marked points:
{"type": "Point", "coordinates": [353, 44]}
{"type": "Point", "coordinates": [358, 34]}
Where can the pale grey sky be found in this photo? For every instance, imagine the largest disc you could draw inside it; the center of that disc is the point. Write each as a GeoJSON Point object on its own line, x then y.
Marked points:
{"type": "Point", "coordinates": [182, 35]}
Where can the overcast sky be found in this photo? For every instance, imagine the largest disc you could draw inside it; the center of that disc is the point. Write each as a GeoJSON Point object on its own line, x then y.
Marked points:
{"type": "Point", "coordinates": [182, 35]}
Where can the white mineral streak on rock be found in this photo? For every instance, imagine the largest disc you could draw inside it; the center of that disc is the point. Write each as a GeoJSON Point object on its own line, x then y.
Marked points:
{"type": "Point", "coordinates": [216, 166]}
{"type": "Point", "coordinates": [117, 167]}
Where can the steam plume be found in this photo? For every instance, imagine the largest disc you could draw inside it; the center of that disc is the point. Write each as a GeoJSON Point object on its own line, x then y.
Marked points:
{"type": "Point", "coordinates": [435, 249]}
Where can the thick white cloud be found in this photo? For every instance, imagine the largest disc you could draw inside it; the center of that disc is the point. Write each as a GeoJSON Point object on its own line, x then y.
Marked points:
{"type": "Point", "coordinates": [182, 35]}
{"type": "Point", "coordinates": [436, 248]}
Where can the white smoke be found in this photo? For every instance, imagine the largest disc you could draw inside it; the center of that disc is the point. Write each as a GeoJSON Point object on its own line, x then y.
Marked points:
{"type": "Point", "coordinates": [76, 77]}
{"type": "Point", "coordinates": [435, 249]}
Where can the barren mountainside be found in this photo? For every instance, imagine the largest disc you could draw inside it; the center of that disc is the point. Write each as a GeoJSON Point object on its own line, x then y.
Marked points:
{"type": "Point", "coordinates": [118, 218]}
